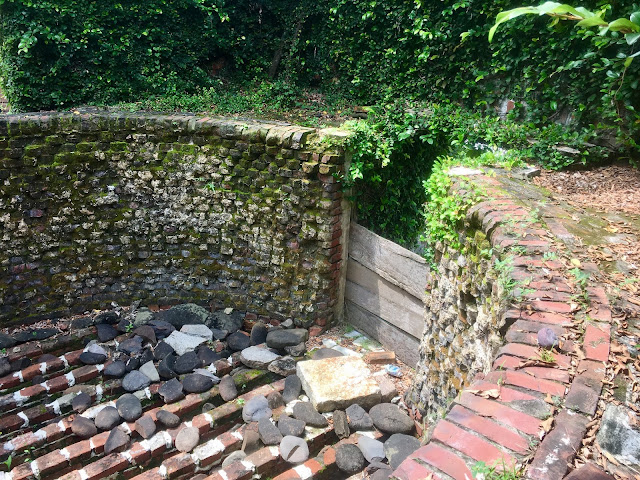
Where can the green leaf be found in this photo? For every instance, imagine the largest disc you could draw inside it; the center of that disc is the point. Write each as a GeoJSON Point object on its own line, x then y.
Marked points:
{"type": "Point", "coordinates": [635, 17]}
{"type": "Point", "coordinates": [510, 15]}
{"type": "Point", "coordinates": [622, 24]}
{"type": "Point", "coordinates": [591, 22]}
{"type": "Point", "coordinates": [632, 38]}
{"type": "Point", "coordinates": [627, 62]}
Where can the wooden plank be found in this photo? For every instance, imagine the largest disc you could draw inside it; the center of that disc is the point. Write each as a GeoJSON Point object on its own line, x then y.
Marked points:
{"type": "Point", "coordinates": [404, 345]}
{"type": "Point", "coordinates": [394, 263]}
{"type": "Point", "coordinates": [380, 297]}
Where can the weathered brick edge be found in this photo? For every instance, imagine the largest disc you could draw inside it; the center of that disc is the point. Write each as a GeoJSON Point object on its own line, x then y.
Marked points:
{"type": "Point", "coordinates": [487, 421]}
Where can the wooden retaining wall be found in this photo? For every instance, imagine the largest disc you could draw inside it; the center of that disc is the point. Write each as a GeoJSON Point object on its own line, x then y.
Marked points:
{"type": "Point", "coordinates": [384, 293]}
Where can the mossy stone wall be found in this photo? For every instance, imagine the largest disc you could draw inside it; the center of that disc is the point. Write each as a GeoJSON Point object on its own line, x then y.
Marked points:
{"type": "Point", "coordinates": [100, 208]}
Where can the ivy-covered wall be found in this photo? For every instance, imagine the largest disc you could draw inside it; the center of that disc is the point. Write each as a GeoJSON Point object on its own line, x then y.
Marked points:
{"type": "Point", "coordinates": [96, 208]}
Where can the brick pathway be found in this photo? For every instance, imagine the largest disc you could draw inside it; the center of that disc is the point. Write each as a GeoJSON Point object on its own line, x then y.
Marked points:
{"type": "Point", "coordinates": [526, 411]}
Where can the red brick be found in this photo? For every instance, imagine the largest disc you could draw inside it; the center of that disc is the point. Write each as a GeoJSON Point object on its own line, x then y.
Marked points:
{"type": "Point", "coordinates": [596, 342]}
{"type": "Point", "coordinates": [329, 456]}
{"type": "Point", "coordinates": [98, 442]}
{"type": "Point", "coordinates": [442, 459]}
{"type": "Point", "coordinates": [559, 447]}
{"type": "Point", "coordinates": [179, 465]}
{"type": "Point", "coordinates": [471, 445]}
{"type": "Point", "coordinates": [32, 391]}
{"type": "Point", "coordinates": [152, 474]}
{"type": "Point", "coordinates": [489, 429]}
{"type": "Point", "coordinates": [263, 459]}
{"type": "Point", "coordinates": [546, 317]}
{"type": "Point", "coordinates": [237, 471]}
{"type": "Point", "coordinates": [521, 379]}
{"type": "Point", "coordinates": [548, 373]}
{"type": "Point", "coordinates": [106, 466]}
{"type": "Point", "coordinates": [593, 370]}
{"type": "Point", "coordinates": [582, 396]}
{"type": "Point", "coordinates": [57, 384]}
{"type": "Point", "coordinates": [531, 353]}
{"type": "Point", "coordinates": [411, 470]}
{"type": "Point", "coordinates": [589, 472]}
{"type": "Point", "coordinates": [51, 462]}
{"type": "Point", "coordinates": [79, 451]}
{"type": "Point", "coordinates": [503, 414]}
{"type": "Point", "coordinates": [22, 472]}
{"type": "Point", "coordinates": [551, 307]}
{"type": "Point", "coordinates": [506, 394]}
{"type": "Point", "coordinates": [86, 373]}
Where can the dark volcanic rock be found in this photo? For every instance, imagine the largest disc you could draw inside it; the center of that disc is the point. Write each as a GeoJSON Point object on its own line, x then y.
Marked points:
{"type": "Point", "coordinates": [286, 338]}
{"type": "Point", "coordinates": [83, 427]}
{"type": "Point", "coordinates": [115, 369]}
{"type": "Point", "coordinates": [5, 366]}
{"type": "Point", "coordinates": [238, 341]}
{"type": "Point", "coordinates": [134, 381]}
{"type": "Point", "coordinates": [108, 418]}
{"type": "Point", "coordinates": [107, 317]}
{"type": "Point", "coordinates": [182, 315]}
{"type": "Point", "coordinates": [168, 419]}
{"type": "Point", "coordinates": [398, 447]}
{"type": "Point", "coordinates": [6, 341]}
{"type": "Point", "coordinates": [147, 333]}
{"type": "Point", "coordinates": [171, 391]}
{"type": "Point", "coordinates": [81, 402]}
{"type": "Point", "coordinates": [291, 426]}
{"type": "Point", "coordinates": [35, 334]}
{"type": "Point", "coordinates": [388, 418]}
{"type": "Point", "coordinates": [359, 419]}
{"type": "Point", "coordinates": [275, 400]}
{"type": "Point", "coordinates": [166, 367]}
{"type": "Point", "coordinates": [259, 333]}
{"type": "Point", "coordinates": [296, 350]}
{"type": "Point", "coordinates": [162, 350]}
{"type": "Point", "coordinates": [106, 332]}
{"type": "Point", "coordinates": [161, 328]}
{"type": "Point", "coordinates": [269, 433]}
{"type": "Point", "coordinates": [349, 459]}
{"type": "Point", "coordinates": [131, 346]}
{"type": "Point", "coordinates": [80, 322]}
{"type": "Point", "coordinates": [196, 383]}
{"type": "Point", "coordinates": [129, 407]}
{"type": "Point", "coordinates": [146, 356]}
{"type": "Point", "coordinates": [206, 356]}
{"type": "Point", "coordinates": [125, 325]}
{"type": "Point", "coordinates": [292, 388]}
{"type": "Point", "coordinates": [89, 358]}
{"type": "Point", "coordinates": [308, 414]}
{"type": "Point", "coordinates": [132, 364]}
{"type": "Point", "coordinates": [187, 363]}
{"type": "Point", "coordinates": [116, 442]}
{"type": "Point", "coordinates": [20, 363]}
{"type": "Point", "coordinates": [231, 323]}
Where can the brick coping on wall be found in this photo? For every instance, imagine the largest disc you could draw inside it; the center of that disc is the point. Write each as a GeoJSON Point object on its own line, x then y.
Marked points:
{"type": "Point", "coordinates": [523, 410]}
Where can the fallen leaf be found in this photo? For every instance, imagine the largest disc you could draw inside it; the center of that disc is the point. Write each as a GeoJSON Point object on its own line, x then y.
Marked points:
{"type": "Point", "coordinates": [547, 424]}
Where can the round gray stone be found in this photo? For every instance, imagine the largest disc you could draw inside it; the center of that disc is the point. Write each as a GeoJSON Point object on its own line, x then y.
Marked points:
{"type": "Point", "coordinates": [171, 391]}
{"type": "Point", "coordinates": [291, 426]}
{"type": "Point", "coordinates": [359, 419]}
{"type": "Point", "coordinates": [269, 433]}
{"type": "Point", "coordinates": [187, 363]}
{"type": "Point", "coordinates": [547, 338]}
{"type": "Point", "coordinates": [149, 371]}
{"type": "Point", "coordinates": [196, 383]}
{"type": "Point", "coordinates": [308, 414]}
{"type": "Point", "coordinates": [115, 369]}
{"type": "Point", "coordinates": [134, 381]}
{"type": "Point", "coordinates": [187, 439]}
{"type": "Point", "coordinates": [233, 457]}
{"type": "Point", "coordinates": [238, 341]}
{"type": "Point", "coordinates": [371, 448]}
{"type": "Point", "coordinates": [349, 459]}
{"type": "Point", "coordinates": [286, 338]}
{"type": "Point", "coordinates": [108, 418]}
{"type": "Point", "coordinates": [81, 402]}
{"type": "Point", "coordinates": [259, 333]}
{"type": "Point", "coordinates": [167, 419]}
{"type": "Point", "coordinates": [294, 449]}
{"type": "Point", "coordinates": [292, 388]}
{"type": "Point", "coordinates": [129, 407]}
{"type": "Point", "coordinates": [89, 358]}
{"type": "Point", "coordinates": [116, 442]}
{"type": "Point", "coordinates": [256, 408]}
{"type": "Point", "coordinates": [227, 388]}
{"type": "Point", "coordinates": [83, 427]}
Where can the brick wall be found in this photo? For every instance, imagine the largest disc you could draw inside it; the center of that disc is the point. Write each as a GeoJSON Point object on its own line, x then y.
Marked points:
{"type": "Point", "coordinates": [96, 208]}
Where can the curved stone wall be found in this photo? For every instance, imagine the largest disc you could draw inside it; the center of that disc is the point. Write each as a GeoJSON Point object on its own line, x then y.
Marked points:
{"type": "Point", "coordinates": [96, 208]}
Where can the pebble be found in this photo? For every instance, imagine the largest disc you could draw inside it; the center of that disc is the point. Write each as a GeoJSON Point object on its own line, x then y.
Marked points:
{"type": "Point", "coordinates": [165, 367]}
{"type": "Point", "coordinates": [116, 442]}
{"type": "Point", "coordinates": [187, 439]}
{"type": "Point", "coordinates": [359, 419]}
{"type": "Point", "coordinates": [349, 459]}
{"type": "Point", "coordinates": [129, 407]}
{"type": "Point", "coordinates": [186, 363]}
{"type": "Point", "coordinates": [388, 418]}
{"type": "Point", "coordinates": [258, 333]}
{"type": "Point", "coordinates": [83, 427]}
{"type": "Point", "coordinates": [292, 388]}
{"type": "Point", "coordinates": [371, 448]}
{"type": "Point", "coordinates": [108, 418]}
{"type": "Point", "coordinates": [287, 338]}
{"type": "Point", "coordinates": [547, 338]}
{"type": "Point", "coordinates": [291, 426]}
{"type": "Point", "coordinates": [134, 381]}
{"type": "Point", "coordinates": [145, 426]}
{"type": "Point", "coordinates": [89, 358]}
{"type": "Point", "coordinates": [131, 346]}
{"type": "Point", "coordinates": [251, 442]}
{"type": "Point", "coordinates": [106, 332]}
{"type": "Point", "coordinates": [171, 391]}
{"type": "Point", "coordinates": [341, 424]}
{"type": "Point", "coordinates": [308, 414]}
{"type": "Point", "coordinates": [269, 433]}
{"type": "Point", "coordinates": [227, 388]}
{"type": "Point", "coordinates": [198, 330]}
{"type": "Point", "coordinates": [5, 366]}
{"type": "Point", "coordinates": [275, 400]}
{"type": "Point", "coordinates": [81, 402]}
{"type": "Point", "coordinates": [168, 419]}
{"type": "Point", "coordinates": [206, 356]}
{"type": "Point", "coordinates": [196, 383]}
{"type": "Point", "coordinates": [161, 350]}
{"type": "Point", "coordinates": [147, 333]}
{"type": "Point", "coordinates": [238, 341]}
{"type": "Point", "coordinates": [294, 449]}
{"type": "Point", "coordinates": [283, 366]}
{"type": "Point", "coordinates": [115, 369]}
{"type": "Point", "coordinates": [149, 370]}
{"type": "Point", "coordinates": [398, 447]}
{"type": "Point", "coordinates": [161, 328]}
{"type": "Point", "coordinates": [256, 408]}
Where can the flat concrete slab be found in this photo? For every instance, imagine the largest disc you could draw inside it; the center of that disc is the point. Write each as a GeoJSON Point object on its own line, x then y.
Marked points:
{"type": "Point", "coordinates": [337, 383]}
